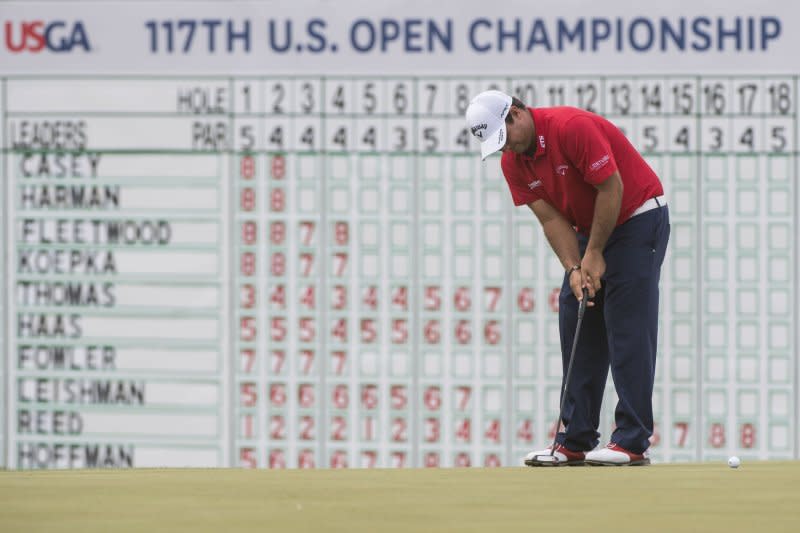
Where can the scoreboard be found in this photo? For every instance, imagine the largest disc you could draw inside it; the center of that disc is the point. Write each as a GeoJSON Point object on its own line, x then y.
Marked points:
{"type": "Point", "coordinates": [218, 253]}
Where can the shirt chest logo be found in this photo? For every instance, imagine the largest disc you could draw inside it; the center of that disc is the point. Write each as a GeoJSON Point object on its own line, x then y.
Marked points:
{"type": "Point", "coordinates": [561, 170]}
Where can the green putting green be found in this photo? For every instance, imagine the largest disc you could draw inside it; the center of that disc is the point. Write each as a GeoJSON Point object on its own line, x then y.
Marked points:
{"type": "Point", "coordinates": [758, 496]}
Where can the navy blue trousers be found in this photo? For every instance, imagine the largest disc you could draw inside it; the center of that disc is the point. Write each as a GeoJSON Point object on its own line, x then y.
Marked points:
{"type": "Point", "coordinates": [620, 332]}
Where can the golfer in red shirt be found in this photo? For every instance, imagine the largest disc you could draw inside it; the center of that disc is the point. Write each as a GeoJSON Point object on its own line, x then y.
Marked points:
{"type": "Point", "coordinates": [603, 211]}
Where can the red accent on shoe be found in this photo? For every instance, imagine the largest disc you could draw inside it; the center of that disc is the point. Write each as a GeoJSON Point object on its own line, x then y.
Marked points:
{"type": "Point", "coordinates": [634, 456]}
{"type": "Point", "coordinates": [571, 455]}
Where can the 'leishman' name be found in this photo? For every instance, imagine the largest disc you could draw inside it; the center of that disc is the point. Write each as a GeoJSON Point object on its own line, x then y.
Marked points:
{"type": "Point", "coordinates": [80, 391]}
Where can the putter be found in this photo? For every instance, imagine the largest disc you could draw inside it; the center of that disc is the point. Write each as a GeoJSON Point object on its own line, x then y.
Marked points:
{"type": "Point", "coordinates": [550, 459]}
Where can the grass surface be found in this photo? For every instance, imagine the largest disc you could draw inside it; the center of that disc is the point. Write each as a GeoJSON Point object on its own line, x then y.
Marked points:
{"type": "Point", "coordinates": [762, 496]}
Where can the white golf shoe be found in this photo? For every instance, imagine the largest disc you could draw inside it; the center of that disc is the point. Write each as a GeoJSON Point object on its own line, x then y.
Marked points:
{"type": "Point", "coordinates": [616, 455]}
{"type": "Point", "coordinates": [560, 457]}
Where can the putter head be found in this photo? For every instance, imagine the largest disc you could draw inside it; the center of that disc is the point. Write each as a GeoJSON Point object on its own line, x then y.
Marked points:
{"type": "Point", "coordinates": [542, 460]}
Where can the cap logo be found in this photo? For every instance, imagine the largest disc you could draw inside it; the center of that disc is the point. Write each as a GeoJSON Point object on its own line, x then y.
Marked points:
{"type": "Point", "coordinates": [477, 130]}
{"type": "Point", "coordinates": [501, 136]}
{"type": "Point", "coordinates": [503, 112]}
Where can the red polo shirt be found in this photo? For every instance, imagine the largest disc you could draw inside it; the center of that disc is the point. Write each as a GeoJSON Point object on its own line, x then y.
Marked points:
{"type": "Point", "coordinates": [576, 150]}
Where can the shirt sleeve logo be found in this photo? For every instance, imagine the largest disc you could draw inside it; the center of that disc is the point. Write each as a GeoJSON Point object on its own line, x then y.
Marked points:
{"type": "Point", "coordinates": [600, 163]}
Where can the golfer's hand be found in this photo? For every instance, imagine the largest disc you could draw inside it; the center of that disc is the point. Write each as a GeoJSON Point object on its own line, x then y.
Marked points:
{"type": "Point", "coordinates": [576, 284]}
{"type": "Point", "coordinates": [593, 267]}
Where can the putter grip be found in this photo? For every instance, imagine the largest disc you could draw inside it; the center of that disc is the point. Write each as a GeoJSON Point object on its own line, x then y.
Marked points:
{"type": "Point", "coordinates": [582, 306]}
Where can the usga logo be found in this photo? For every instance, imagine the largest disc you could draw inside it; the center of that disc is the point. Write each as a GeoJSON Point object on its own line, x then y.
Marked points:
{"type": "Point", "coordinates": [476, 130]}
{"type": "Point", "coordinates": [34, 36]}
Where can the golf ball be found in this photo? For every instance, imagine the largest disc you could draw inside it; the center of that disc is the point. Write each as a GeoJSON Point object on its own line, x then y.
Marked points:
{"type": "Point", "coordinates": [734, 462]}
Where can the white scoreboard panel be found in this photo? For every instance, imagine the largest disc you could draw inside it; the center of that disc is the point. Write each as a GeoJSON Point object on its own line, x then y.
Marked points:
{"type": "Point", "coordinates": [306, 264]}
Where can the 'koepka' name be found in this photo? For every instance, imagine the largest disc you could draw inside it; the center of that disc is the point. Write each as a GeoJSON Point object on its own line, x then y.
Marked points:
{"type": "Point", "coordinates": [36, 261]}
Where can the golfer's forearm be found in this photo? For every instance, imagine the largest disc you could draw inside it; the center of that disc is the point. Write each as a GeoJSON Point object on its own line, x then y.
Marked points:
{"type": "Point", "coordinates": [606, 211]}
{"type": "Point", "coordinates": [563, 241]}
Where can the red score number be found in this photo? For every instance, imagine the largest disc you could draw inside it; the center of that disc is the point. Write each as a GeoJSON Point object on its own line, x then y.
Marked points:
{"type": "Point", "coordinates": [277, 200]}
{"type": "Point", "coordinates": [339, 360]}
{"type": "Point", "coordinates": [247, 199]}
{"type": "Point", "coordinates": [277, 233]}
{"type": "Point", "coordinates": [338, 428]}
{"type": "Point", "coordinates": [400, 298]}
{"type": "Point", "coordinates": [278, 167]}
{"type": "Point", "coordinates": [525, 431]}
{"type": "Point", "coordinates": [340, 397]}
{"type": "Point", "coordinates": [247, 296]}
{"type": "Point", "coordinates": [433, 300]}
{"type": "Point", "coordinates": [369, 297]}
{"type": "Point", "coordinates": [748, 436]}
{"type": "Point", "coordinates": [369, 458]}
{"type": "Point", "coordinates": [432, 398]}
{"type": "Point", "coordinates": [248, 359]}
{"type": "Point", "coordinates": [433, 430]}
{"type": "Point", "coordinates": [247, 264]}
{"type": "Point", "coordinates": [492, 298]}
{"type": "Point", "coordinates": [525, 301]}
{"type": "Point", "coordinates": [462, 299]}
{"type": "Point", "coordinates": [306, 459]}
{"type": "Point", "coordinates": [341, 233]}
{"type": "Point", "coordinates": [369, 397]}
{"type": "Point", "coordinates": [716, 437]}
{"type": "Point", "coordinates": [306, 361]}
{"type": "Point", "coordinates": [247, 167]}
{"type": "Point", "coordinates": [491, 332]}
{"type": "Point", "coordinates": [432, 332]}
{"type": "Point", "coordinates": [339, 459]}
{"type": "Point", "coordinates": [432, 460]}
{"type": "Point", "coordinates": [247, 458]}
{"type": "Point", "coordinates": [277, 427]}
{"type": "Point", "coordinates": [463, 332]}
{"type": "Point", "coordinates": [247, 394]}
{"type": "Point", "coordinates": [277, 459]}
{"type": "Point", "coordinates": [249, 232]}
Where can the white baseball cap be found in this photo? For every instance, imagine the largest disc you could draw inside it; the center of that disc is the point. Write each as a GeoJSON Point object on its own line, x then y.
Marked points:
{"type": "Point", "coordinates": [486, 119]}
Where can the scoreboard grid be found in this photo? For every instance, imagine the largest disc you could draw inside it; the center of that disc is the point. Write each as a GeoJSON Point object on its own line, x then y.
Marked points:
{"type": "Point", "coordinates": [387, 207]}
